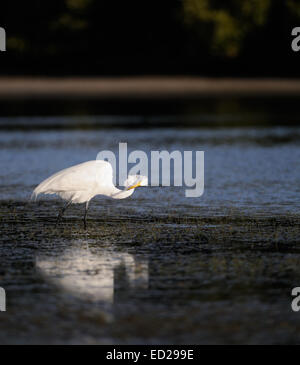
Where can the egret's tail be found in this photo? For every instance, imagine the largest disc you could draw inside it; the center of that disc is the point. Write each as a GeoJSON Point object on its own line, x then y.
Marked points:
{"type": "Point", "coordinates": [40, 189]}
{"type": "Point", "coordinates": [34, 194]}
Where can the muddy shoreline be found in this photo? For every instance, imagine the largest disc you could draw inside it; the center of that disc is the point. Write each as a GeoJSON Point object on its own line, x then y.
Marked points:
{"type": "Point", "coordinates": [146, 87]}
{"type": "Point", "coordinates": [217, 279]}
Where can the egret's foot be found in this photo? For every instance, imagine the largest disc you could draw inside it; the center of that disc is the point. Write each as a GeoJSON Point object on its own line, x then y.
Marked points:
{"type": "Point", "coordinates": [85, 215]}
{"type": "Point", "coordinates": [57, 221]}
{"type": "Point", "coordinates": [61, 213]}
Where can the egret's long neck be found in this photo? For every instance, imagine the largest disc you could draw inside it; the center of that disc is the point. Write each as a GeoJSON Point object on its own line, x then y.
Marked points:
{"type": "Point", "coordinates": [121, 194]}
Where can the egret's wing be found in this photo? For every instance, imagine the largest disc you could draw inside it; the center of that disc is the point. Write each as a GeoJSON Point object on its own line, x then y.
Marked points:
{"type": "Point", "coordinates": [86, 176]}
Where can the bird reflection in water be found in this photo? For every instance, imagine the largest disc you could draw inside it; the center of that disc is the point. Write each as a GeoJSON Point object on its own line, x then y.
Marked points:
{"type": "Point", "coordinates": [94, 274]}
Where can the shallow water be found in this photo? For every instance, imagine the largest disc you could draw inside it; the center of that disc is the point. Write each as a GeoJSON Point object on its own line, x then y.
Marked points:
{"type": "Point", "coordinates": [244, 167]}
{"type": "Point", "coordinates": [157, 267]}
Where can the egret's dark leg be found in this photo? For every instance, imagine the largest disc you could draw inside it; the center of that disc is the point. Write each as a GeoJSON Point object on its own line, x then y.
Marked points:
{"type": "Point", "coordinates": [61, 213]}
{"type": "Point", "coordinates": [85, 214]}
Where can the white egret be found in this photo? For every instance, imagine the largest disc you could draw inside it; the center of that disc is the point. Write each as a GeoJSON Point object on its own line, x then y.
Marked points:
{"type": "Point", "coordinates": [80, 183]}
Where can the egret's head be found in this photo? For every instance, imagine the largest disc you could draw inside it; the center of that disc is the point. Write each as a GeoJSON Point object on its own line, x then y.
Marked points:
{"type": "Point", "coordinates": [134, 181]}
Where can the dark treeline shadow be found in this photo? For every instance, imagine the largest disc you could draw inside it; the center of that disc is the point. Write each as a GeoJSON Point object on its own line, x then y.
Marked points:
{"type": "Point", "coordinates": [153, 113]}
{"type": "Point", "coordinates": [203, 37]}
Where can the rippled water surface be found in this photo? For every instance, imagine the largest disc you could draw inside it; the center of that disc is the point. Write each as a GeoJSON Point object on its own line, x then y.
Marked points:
{"type": "Point", "coordinates": [157, 267]}
{"type": "Point", "coordinates": [244, 167]}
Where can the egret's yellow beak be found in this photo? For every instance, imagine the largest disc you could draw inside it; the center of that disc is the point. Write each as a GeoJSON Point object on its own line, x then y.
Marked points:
{"type": "Point", "coordinates": [134, 186]}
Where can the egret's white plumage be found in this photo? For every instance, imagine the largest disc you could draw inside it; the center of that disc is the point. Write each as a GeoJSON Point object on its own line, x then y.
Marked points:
{"type": "Point", "coordinates": [80, 183]}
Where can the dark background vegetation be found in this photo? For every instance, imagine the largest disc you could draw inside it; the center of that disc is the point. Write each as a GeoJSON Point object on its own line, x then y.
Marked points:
{"type": "Point", "coordinates": [192, 37]}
